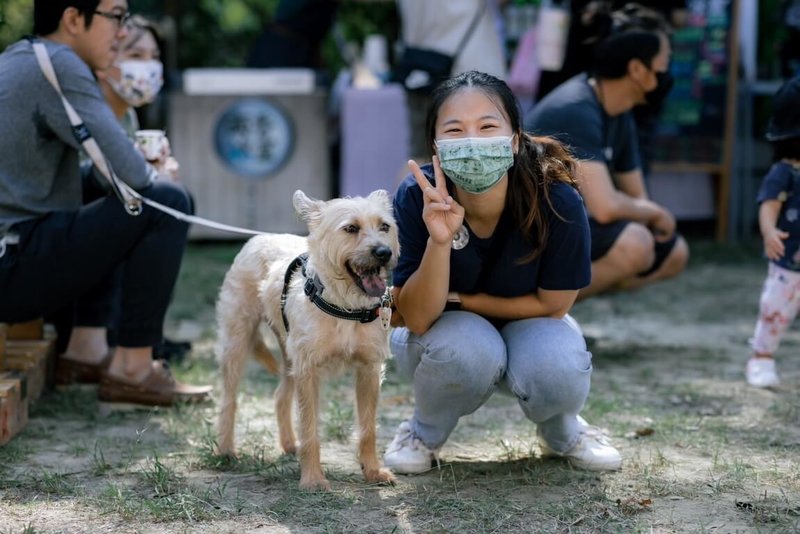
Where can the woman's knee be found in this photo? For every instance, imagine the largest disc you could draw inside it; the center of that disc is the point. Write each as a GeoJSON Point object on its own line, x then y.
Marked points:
{"type": "Point", "coordinates": [460, 345]}
{"type": "Point", "coordinates": [549, 368]}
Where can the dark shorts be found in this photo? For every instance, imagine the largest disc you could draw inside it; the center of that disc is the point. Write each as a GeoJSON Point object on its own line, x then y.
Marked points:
{"type": "Point", "coordinates": [605, 235]}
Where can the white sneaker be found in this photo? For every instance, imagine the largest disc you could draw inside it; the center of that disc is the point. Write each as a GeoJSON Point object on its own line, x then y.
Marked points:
{"type": "Point", "coordinates": [407, 455]}
{"type": "Point", "coordinates": [761, 373]}
{"type": "Point", "coordinates": [593, 451]}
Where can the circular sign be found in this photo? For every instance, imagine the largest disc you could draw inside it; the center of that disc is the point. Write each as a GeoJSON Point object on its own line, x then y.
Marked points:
{"type": "Point", "coordinates": [254, 138]}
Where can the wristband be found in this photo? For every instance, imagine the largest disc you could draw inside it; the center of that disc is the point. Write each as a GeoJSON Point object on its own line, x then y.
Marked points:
{"type": "Point", "coordinates": [453, 301]}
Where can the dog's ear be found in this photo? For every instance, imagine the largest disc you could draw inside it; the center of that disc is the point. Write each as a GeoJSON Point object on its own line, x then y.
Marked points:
{"type": "Point", "coordinates": [307, 208]}
{"type": "Point", "coordinates": [382, 195]}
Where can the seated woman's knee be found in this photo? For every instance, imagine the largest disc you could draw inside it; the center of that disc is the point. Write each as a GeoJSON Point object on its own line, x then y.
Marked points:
{"type": "Point", "coordinates": [635, 248]}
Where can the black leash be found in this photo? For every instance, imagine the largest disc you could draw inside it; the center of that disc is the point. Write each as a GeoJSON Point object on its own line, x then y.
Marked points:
{"type": "Point", "coordinates": [313, 287]}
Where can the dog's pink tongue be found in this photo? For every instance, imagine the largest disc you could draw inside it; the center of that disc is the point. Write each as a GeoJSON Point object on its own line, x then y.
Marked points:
{"type": "Point", "coordinates": [373, 284]}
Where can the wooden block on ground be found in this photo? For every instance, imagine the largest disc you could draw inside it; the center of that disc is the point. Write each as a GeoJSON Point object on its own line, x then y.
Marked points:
{"type": "Point", "coordinates": [3, 333]}
{"type": "Point", "coordinates": [51, 336]}
{"type": "Point", "coordinates": [13, 404]}
{"type": "Point", "coordinates": [45, 350]}
{"type": "Point", "coordinates": [32, 362]}
{"type": "Point", "coordinates": [30, 330]}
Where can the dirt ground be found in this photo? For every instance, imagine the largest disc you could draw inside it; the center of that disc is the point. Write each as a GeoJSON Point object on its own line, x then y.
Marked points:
{"type": "Point", "coordinates": [703, 452]}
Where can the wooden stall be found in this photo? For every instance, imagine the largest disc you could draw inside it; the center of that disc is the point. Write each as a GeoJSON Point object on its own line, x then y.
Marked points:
{"type": "Point", "coordinates": [246, 139]}
{"type": "Point", "coordinates": [697, 127]}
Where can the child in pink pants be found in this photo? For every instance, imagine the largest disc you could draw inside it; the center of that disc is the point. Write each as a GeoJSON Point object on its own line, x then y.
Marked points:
{"type": "Point", "coordinates": [779, 221]}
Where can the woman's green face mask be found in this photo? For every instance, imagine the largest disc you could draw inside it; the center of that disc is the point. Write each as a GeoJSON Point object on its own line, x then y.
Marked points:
{"type": "Point", "coordinates": [475, 164]}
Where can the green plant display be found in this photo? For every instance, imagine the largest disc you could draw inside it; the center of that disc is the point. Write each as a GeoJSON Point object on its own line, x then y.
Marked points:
{"type": "Point", "coordinates": [210, 33]}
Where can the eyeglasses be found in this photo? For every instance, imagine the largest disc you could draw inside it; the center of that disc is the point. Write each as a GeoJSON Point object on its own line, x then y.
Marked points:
{"type": "Point", "coordinates": [120, 18]}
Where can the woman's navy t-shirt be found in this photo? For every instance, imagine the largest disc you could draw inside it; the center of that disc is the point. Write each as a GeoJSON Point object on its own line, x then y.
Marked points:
{"type": "Point", "coordinates": [563, 264]}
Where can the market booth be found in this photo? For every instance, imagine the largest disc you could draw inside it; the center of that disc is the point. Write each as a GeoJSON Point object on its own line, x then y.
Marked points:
{"type": "Point", "coordinates": [246, 139]}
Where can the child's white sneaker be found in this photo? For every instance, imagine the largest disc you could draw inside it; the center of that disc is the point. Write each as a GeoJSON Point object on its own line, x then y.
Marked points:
{"type": "Point", "coordinates": [592, 452]}
{"type": "Point", "coordinates": [761, 373]}
{"type": "Point", "coordinates": [407, 455]}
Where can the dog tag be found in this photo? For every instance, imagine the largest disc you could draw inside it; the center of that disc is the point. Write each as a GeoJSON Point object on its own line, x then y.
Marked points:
{"type": "Point", "coordinates": [385, 314]}
{"type": "Point", "coordinates": [461, 238]}
{"type": "Point", "coordinates": [385, 311]}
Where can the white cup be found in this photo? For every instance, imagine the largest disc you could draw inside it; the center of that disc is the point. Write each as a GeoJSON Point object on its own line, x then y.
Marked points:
{"type": "Point", "coordinates": [153, 144]}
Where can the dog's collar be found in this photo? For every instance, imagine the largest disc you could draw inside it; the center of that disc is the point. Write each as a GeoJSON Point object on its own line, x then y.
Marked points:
{"type": "Point", "coordinates": [313, 288]}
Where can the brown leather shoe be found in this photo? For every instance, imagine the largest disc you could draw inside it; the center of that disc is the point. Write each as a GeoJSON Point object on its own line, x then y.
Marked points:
{"type": "Point", "coordinates": [159, 388]}
{"type": "Point", "coordinates": [70, 371]}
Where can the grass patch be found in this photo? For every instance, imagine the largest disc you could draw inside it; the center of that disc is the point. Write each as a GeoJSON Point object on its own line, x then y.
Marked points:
{"type": "Point", "coordinates": [700, 449]}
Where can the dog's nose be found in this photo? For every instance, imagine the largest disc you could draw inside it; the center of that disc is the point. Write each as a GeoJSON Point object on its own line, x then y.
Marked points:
{"type": "Point", "coordinates": [383, 253]}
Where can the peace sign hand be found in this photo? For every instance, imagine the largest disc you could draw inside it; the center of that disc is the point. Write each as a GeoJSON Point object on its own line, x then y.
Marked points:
{"type": "Point", "coordinates": [443, 216]}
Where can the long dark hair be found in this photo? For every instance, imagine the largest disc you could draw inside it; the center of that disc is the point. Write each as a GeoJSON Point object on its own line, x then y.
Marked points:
{"type": "Point", "coordinates": [47, 13]}
{"type": "Point", "coordinates": [540, 161]}
{"type": "Point", "coordinates": [632, 32]}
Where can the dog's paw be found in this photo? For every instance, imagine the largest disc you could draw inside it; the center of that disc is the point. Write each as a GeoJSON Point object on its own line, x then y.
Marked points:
{"type": "Point", "coordinates": [225, 452]}
{"type": "Point", "coordinates": [315, 484]}
{"type": "Point", "coordinates": [289, 447]}
{"type": "Point", "coordinates": [379, 476]}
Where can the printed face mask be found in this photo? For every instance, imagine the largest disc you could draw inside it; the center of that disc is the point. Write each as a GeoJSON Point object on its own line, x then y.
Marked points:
{"type": "Point", "coordinates": [139, 81]}
{"type": "Point", "coordinates": [475, 164]}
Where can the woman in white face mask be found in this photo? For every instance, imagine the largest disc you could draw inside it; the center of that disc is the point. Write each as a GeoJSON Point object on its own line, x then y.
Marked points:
{"type": "Point", "coordinates": [494, 245]}
{"type": "Point", "coordinates": [134, 80]}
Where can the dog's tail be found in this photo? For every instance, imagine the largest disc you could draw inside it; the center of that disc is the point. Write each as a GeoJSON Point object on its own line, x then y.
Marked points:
{"type": "Point", "coordinates": [265, 357]}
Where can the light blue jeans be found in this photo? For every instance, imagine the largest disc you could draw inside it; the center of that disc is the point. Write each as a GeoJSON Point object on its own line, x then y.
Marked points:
{"type": "Point", "coordinates": [463, 359]}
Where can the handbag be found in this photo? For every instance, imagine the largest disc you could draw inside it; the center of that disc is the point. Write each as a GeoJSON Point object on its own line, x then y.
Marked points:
{"type": "Point", "coordinates": [419, 70]}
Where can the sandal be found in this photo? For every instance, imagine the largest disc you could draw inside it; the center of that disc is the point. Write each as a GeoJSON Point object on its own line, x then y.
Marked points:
{"type": "Point", "coordinates": [159, 388]}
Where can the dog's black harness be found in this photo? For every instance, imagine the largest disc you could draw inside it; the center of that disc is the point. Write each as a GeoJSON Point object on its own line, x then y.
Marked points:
{"type": "Point", "coordinates": [313, 287]}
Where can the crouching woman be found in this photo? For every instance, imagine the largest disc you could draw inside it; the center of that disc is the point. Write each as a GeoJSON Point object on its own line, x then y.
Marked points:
{"type": "Point", "coordinates": [494, 248]}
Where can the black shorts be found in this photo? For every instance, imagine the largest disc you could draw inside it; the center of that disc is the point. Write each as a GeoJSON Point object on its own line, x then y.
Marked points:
{"type": "Point", "coordinates": [605, 235]}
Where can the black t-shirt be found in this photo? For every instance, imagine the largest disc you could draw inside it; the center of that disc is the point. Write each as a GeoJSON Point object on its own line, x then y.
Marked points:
{"type": "Point", "coordinates": [564, 263]}
{"type": "Point", "coordinates": [781, 183]}
{"type": "Point", "coordinates": [573, 115]}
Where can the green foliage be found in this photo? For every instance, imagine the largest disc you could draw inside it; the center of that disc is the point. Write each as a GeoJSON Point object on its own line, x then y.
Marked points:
{"type": "Point", "coordinates": [357, 20]}
{"type": "Point", "coordinates": [219, 34]}
{"type": "Point", "coordinates": [16, 19]}
{"type": "Point", "coordinates": [210, 33]}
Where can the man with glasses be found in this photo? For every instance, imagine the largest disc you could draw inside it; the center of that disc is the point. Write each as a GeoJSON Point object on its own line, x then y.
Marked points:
{"type": "Point", "coordinates": [120, 18]}
{"type": "Point", "coordinates": [57, 256]}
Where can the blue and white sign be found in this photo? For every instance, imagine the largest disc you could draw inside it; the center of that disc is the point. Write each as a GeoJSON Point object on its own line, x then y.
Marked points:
{"type": "Point", "coordinates": [254, 137]}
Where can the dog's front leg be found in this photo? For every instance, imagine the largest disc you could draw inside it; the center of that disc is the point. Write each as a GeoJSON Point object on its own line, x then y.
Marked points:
{"type": "Point", "coordinates": [368, 381]}
{"type": "Point", "coordinates": [307, 388]}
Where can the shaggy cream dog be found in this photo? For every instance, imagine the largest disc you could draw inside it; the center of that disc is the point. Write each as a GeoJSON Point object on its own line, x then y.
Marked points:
{"type": "Point", "coordinates": [330, 312]}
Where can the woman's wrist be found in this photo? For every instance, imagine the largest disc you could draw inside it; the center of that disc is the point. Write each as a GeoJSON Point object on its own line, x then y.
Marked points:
{"type": "Point", "coordinates": [453, 301]}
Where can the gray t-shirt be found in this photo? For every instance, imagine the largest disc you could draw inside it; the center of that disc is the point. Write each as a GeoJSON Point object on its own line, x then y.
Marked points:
{"type": "Point", "coordinates": [572, 114]}
{"type": "Point", "coordinates": [39, 170]}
